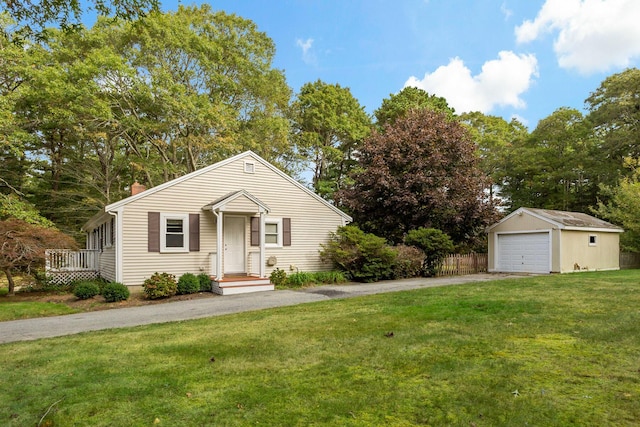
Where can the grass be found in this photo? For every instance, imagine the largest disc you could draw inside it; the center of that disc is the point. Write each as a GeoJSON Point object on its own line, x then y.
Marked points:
{"type": "Point", "coordinates": [552, 350]}
{"type": "Point", "coordinates": [12, 310]}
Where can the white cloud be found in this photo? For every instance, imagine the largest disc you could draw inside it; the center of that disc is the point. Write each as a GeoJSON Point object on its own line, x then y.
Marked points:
{"type": "Point", "coordinates": [500, 83]}
{"type": "Point", "coordinates": [592, 35]}
{"type": "Point", "coordinates": [506, 11]}
{"type": "Point", "coordinates": [308, 57]}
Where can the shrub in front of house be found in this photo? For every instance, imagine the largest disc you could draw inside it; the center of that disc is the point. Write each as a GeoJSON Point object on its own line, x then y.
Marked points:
{"type": "Point", "coordinates": [278, 277]}
{"type": "Point", "coordinates": [160, 285]}
{"type": "Point", "coordinates": [329, 277]}
{"type": "Point", "coordinates": [205, 282]}
{"type": "Point", "coordinates": [86, 289]}
{"type": "Point", "coordinates": [408, 263]}
{"type": "Point", "coordinates": [363, 257]}
{"type": "Point", "coordinates": [299, 279]}
{"type": "Point", "coordinates": [188, 283]}
{"type": "Point", "coordinates": [115, 291]}
{"type": "Point", "coordinates": [435, 244]}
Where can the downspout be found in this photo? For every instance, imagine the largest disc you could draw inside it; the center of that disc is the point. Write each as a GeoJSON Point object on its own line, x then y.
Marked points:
{"type": "Point", "coordinates": [219, 273]}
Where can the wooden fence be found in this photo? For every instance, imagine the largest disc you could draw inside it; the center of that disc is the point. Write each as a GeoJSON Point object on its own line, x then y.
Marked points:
{"type": "Point", "coordinates": [63, 266]}
{"type": "Point", "coordinates": [629, 260]}
{"type": "Point", "coordinates": [456, 265]}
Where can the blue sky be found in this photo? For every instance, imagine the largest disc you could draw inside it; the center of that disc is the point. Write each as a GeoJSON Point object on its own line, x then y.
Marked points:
{"type": "Point", "coordinates": [511, 58]}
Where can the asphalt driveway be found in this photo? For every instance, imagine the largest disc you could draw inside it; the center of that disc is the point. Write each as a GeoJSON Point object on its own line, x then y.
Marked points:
{"type": "Point", "coordinates": [46, 327]}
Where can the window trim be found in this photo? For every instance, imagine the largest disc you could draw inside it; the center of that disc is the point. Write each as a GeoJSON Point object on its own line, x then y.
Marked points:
{"type": "Point", "coordinates": [593, 240]}
{"type": "Point", "coordinates": [278, 223]}
{"type": "Point", "coordinates": [163, 232]}
{"type": "Point", "coordinates": [249, 167]}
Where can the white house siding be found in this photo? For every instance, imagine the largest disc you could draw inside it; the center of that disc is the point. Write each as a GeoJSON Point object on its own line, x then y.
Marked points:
{"type": "Point", "coordinates": [108, 264]}
{"type": "Point", "coordinates": [311, 220]}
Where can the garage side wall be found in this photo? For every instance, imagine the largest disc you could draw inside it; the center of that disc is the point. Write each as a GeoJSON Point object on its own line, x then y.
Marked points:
{"type": "Point", "coordinates": [579, 253]}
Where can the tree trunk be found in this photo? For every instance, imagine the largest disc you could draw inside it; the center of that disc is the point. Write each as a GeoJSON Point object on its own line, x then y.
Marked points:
{"type": "Point", "coordinates": [12, 285]}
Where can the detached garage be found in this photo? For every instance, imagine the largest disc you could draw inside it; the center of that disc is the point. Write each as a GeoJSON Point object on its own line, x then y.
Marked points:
{"type": "Point", "coordinates": [547, 241]}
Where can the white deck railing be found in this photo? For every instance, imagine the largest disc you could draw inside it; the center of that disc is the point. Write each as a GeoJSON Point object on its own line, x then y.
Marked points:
{"type": "Point", "coordinates": [59, 260]}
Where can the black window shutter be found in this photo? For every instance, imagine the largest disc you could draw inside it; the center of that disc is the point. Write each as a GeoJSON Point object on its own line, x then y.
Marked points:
{"type": "Point", "coordinates": [255, 231]}
{"type": "Point", "coordinates": [286, 231]}
{"type": "Point", "coordinates": [194, 232]}
{"type": "Point", "coordinates": [153, 231]}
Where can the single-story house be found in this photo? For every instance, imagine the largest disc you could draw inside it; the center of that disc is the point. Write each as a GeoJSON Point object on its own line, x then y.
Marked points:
{"type": "Point", "coordinates": [548, 241]}
{"type": "Point", "coordinates": [236, 220]}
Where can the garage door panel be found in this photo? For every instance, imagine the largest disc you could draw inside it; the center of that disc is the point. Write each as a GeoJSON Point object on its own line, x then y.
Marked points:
{"type": "Point", "coordinates": [524, 252]}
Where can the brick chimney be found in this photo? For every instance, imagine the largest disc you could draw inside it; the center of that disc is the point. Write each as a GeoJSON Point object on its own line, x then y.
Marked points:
{"type": "Point", "coordinates": [136, 188]}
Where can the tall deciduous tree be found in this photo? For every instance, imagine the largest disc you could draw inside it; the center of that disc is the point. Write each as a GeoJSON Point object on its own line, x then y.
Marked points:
{"type": "Point", "coordinates": [554, 167]}
{"type": "Point", "coordinates": [35, 15]}
{"type": "Point", "coordinates": [494, 137]}
{"type": "Point", "coordinates": [422, 171]}
{"type": "Point", "coordinates": [614, 111]}
{"type": "Point", "coordinates": [623, 206]}
{"type": "Point", "coordinates": [410, 98]}
{"type": "Point", "coordinates": [329, 124]}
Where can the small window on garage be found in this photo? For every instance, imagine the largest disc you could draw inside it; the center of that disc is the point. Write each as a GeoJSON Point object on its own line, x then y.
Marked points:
{"type": "Point", "coordinates": [593, 240]}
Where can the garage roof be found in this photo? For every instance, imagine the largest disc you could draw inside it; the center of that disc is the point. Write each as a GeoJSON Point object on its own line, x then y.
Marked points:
{"type": "Point", "coordinates": [566, 220]}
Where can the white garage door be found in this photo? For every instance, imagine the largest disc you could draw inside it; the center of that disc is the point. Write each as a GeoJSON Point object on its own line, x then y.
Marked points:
{"type": "Point", "coordinates": [524, 253]}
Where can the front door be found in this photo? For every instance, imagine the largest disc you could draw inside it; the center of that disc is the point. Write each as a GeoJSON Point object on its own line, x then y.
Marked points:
{"type": "Point", "coordinates": [234, 241]}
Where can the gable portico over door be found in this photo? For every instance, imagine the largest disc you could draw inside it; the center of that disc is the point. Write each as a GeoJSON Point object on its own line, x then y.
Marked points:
{"type": "Point", "coordinates": [232, 212]}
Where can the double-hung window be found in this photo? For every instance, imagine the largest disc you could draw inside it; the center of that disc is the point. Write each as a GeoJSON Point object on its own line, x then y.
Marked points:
{"type": "Point", "coordinates": [174, 233]}
{"type": "Point", "coordinates": [273, 232]}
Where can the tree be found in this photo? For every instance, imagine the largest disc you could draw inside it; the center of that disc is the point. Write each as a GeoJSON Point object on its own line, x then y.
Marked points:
{"type": "Point", "coordinates": [421, 171]}
{"type": "Point", "coordinates": [553, 168]}
{"type": "Point", "coordinates": [614, 111]}
{"type": "Point", "coordinates": [623, 206]}
{"type": "Point", "coordinates": [329, 124]}
{"type": "Point", "coordinates": [34, 16]}
{"type": "Point", "coordinates": [23, 245]}
{"type": "Point", "coordinates": [410, 98]}
{"type": "Point", "coordinates": [494, 137]}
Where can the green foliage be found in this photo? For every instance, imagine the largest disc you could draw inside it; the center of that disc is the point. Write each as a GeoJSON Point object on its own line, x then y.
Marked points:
{"type": "Point", "coordinates": [363, 257]}
{"type": "Point", "coordinates": [160, 285]}
{"type": "Point", "coordinates": [35, 16]}
{"type": "Point", "coordinates": [86, 289]}
{"type": "Point", "coordinates": [329, 277]}
{"type": "Point", "coordinates": [278, 277]}
{"type": "Point", "coordinates": [330, 124]}
{"type": "Point", "coordinates": [188, 283]}
{"type": "Point", "coordinates": [409, 99]}
{"type": "Point", "coordinates": [422, 171]}
{"type": "Point", "coordinates": [115, 291]}
{"type": "Point", "coordinates": [205, 282]}
{"type": "Point", "coordinates": [555, 167]}
{"type": "Point", "coordinates": [13, 207]}
{"type": "Point", "coordinates": [614, 116]}
{"type": "Point", "coordinates": [435, 244]}
{"type": "Point", "coordinates": [409, 262]}
{"type": "Point", "coordinates": [300, 278]}
{"type": "Point", "coordinates": [623, 207]}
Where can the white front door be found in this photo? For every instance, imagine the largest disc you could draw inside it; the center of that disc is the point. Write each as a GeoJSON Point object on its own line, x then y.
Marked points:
{"type": "Point", "coordinates": [234, 241]}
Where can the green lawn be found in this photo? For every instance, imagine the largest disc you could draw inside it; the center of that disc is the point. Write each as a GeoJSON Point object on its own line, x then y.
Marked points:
{"type": "Point", "coordinates": [12, 310]}
{"type": "Point", "coordinates": [541, 351]}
